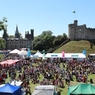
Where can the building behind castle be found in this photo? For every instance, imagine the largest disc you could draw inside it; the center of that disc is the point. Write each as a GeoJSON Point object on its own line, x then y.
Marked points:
{"type": "Point", "coordinates": [17, 42]}
{"type": "Point", "coordinates": [78, 32]}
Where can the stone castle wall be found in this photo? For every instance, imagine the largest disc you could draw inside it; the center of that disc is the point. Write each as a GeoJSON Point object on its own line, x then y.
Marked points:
{"type": "Point", "coordinates": [76, 32]}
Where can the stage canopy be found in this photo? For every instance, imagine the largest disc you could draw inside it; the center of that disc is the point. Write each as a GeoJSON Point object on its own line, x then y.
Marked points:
{"type": "Point", "coordinates": [9, 89]}
{"type": "Point", "coordinates": [81, 89]}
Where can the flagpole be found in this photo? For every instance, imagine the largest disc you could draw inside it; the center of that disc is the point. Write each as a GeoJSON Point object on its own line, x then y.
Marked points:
{"type": "Point", "coordinates": [74, 14]}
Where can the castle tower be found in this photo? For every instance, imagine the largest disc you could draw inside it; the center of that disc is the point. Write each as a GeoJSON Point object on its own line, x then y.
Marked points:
{"type": "Point", "coordinates": [32, 34]}
{"type": "Point", "coordinates": [17, 35]}
{"type": "Point", "coordinates": [72, 30]}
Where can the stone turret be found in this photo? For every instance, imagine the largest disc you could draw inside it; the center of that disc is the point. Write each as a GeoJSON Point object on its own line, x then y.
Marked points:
{"type": "Point", "coordinates": [17, 35]}
{"type": "Point", "coordinates": [75, 22]}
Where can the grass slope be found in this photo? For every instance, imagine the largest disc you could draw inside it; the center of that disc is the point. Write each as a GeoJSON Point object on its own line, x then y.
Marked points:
{"type": "Point", "coordinates": [76, 47]}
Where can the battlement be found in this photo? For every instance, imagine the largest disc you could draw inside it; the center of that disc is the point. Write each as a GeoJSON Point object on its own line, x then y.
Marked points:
{"type": "Point", "coordinates": [91, 29]}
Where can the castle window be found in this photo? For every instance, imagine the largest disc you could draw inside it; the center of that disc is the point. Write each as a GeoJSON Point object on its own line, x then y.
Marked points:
{"type": "Point", "coordinates": [79, 29]}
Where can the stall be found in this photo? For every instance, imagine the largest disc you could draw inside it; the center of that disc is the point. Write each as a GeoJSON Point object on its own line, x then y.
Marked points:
{"type": "Point", "coordinates": [9, 89]}
{"type": "Point", "coordinates": [44, 90]}
{"type": "Point", "coordinates": [82, 89]}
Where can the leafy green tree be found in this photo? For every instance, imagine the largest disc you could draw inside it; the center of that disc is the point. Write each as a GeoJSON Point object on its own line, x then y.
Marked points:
{"type": "Point", "coordinates": [58, 40]}
{"type": "Point", "coordinates": [65, 36]}
{"type": "Point", "coordinates": [48, 32]}
{"type": "Point", "coordinates": [43, 41]}
{"type": "Point", "coordinates": [3, 25]}
{"type": "Point", "coordinates": [2, 44]}
{"type": "Point", "coordinates": [38, 43]}
{"type": "Point", "coordinates": [11, 36]}
{"type": "Point", "coordinates": [47, 39]}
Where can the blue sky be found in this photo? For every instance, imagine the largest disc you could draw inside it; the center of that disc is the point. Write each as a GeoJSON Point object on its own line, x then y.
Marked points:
{"type": "Point", "coordinates": [42, 15]}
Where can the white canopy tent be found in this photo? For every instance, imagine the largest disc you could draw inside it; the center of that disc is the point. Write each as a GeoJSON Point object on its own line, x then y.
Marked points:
{"type": "Point", "coordinates": [14, 51]}
{"type": "Point", "coordinates": [53, 55]}
{"type": "Point", "coordinates": [75, 55]}
{"type": "Point", "coordinates": [44, 90]}
{"type": "Point", "coordinates": [22, 52]}
{"type": "Point", "coordinates": [38, 54]}
{"type": "Point", "coordinates": [16, 83]}
{"type": "Point", "coordinates": [67, 55]}
{"type": "Point", "coordinates": [92, 54]}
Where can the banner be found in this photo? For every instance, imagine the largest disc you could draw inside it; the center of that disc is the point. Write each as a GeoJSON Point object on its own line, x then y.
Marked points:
{"type": "Point", "coordinates": [63, 53]}
{"type": "Point", "coordinates": [84, 52]}
{"type": "Point", "coordinates": [29, 53]}
{"type": "Point", "coordinates": [43, 54]}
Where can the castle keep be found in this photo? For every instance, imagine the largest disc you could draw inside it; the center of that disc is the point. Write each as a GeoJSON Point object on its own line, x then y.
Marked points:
{"type": "Point", "coordinates": [80, 32]}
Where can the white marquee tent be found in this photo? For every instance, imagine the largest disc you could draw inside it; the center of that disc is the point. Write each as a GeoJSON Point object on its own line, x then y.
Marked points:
{"type": "Point", "coordinates": [14, 51]}
{"type": "Point", "coordinates": [44, 90]}
{"type": "Point", "coordinates": [16, 83]}
{"type": "Point", "coordinates": [67, 55]}
{"type": "Point", "coordinates": [22, 52]}
{"type": "Point", "coordinates": [38, 54]}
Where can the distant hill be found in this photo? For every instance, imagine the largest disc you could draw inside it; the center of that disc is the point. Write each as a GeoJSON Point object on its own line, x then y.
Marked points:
{"type": "Point", "coordinates": [76, 47]}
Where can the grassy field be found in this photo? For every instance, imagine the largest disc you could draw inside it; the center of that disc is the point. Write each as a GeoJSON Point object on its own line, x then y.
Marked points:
{"type": "Point", "coordinates": [71, 47]}
{"type": "Point", "coordinates": [64, 91]}
{"type": "Point", "coordinates": [76, 47]}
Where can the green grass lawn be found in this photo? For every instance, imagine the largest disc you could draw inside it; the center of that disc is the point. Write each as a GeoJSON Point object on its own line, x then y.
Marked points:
{"type": "Point", "coordinates": [64, 90]}
{"type": "Point", "coordinates": [76, 47]}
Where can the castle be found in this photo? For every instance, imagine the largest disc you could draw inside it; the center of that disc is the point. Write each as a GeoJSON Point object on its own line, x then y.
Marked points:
{"type": "Point", "coordinates": [80, 32]}
{"type": "Point", "coordinates": [18, 42]}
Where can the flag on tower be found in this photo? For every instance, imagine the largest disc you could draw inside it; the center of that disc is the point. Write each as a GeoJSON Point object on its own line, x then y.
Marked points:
{"type": "Point", "coordinates": [74, 11]}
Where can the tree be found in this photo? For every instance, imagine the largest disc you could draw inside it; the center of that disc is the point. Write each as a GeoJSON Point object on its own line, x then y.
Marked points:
{"type": "Point", "coordinates": [48, 32]}
{"type": "Point", "coordinates": [43, 41]}
{"type": "Point", "coordinates": [65, 36]}
{"type": "Point", "coordinates": [2, 44]}
{"type": "Point", "coordinates": [38, 43]}
{"type": "Point", "coordinates": [3, 25]}
{"type": "Point", "coordinates": [47, 39]}
{"type": "Point", "coordinates": [58, 40]}
{"type": "Point", "coordinates": [11, 36]}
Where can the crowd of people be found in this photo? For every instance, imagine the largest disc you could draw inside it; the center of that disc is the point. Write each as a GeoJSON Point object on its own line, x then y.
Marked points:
{"type": "Point", "coordinates": [56, 71]}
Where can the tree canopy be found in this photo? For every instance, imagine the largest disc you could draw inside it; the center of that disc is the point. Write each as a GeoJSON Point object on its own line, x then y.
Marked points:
{"type": "Point", "coordinates": [47, 40]}
{"type": "Point", "coordinates": [3, 25]}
